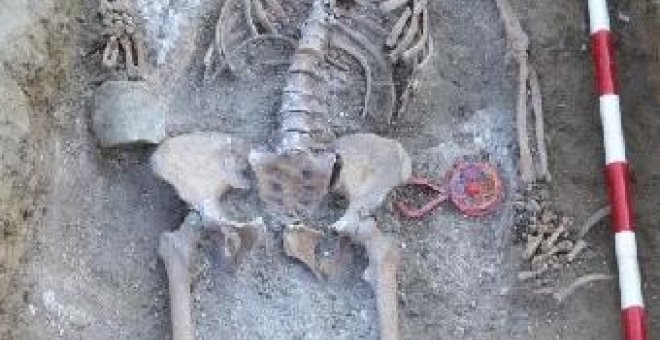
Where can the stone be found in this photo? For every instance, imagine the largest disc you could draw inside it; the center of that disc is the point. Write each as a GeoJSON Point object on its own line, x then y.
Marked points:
{"type": "Point", "coordinates": [127, 112]}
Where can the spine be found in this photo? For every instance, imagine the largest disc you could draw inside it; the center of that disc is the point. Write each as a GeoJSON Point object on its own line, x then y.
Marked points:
{"type": "Point", "coordinates": [303, 98]}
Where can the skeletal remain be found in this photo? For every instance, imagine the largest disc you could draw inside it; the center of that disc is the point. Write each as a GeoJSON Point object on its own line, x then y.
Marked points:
{"type": "Point", "coordinates": [177, 250]}
{"type": "Point", "coordinates": [300, 242]}
{"type": "Point", "coordinates": [201, 167]}
{"type": "Point", "coordinates": [372, 166]}
{"type": "Point", "coordinates": [545, 256]}
{"type": "Point", "coordinates": [580, 245]}
{"type": "Point", "coordinates": [412, 54]}
{"type": "Point", "coordinates": [406, 40]}
{"type": "Point", "coordinates": [398, 27]}
{"type": "Point", "coordinates": [565, 246]}
{"type": "Point", "coordinates": [533, 243]}
{"type": "Point", "coordinates": [249, 17]}
{"type": "Point", "coordinates": [390, 5]}
{"type": "Point", "coordinates": [562, 294]}
{"type": "Point", "coordinates": [120, 30]}
{"type": "Point", "coordinates": [528, 275]}
{"type": "Point", "coordinates": [377, 70]}
{"type": "Point", "coordinates": [262, 17]}
{"type": "Point", "coordinates": [237, 25]}
{"type": "Point", "coordinates": [594, 219]}
{"type": "Point", "coordinates": [551, 241]}
{"type": "Point", "coordinates": [325, 27]}
{"type": "Point", "coordinates": [294, 177]}
{"type": "Point", "coordinates": [277, 9]}
{"type": "Point", "coordinates": [519, 45]}
{"type": "Point", "coordinates": [415, 42]}
{"type": "Point", "coordinates": [295, 174]}
{"type": "Point", "coordinates": [542, 173]}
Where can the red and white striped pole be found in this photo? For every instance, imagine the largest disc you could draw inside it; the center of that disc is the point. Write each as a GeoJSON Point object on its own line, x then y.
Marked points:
{"type": "Point", "coordinates": [617, 173]}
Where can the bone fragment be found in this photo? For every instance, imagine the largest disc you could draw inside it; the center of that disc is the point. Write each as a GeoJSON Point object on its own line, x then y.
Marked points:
{"type": "Point", "coordinates": [545, 256]}
{"type": "Point", "coordinates": [427, 55]}
{"type": "Point", "coordinates": [543, 173]}
{"type": "Point", "coordinates": [131, 59]}
{"type": "Point", "coordinates": [580, 245]}
{"type": "Point", "coordinates": [390, 5]}
{"type": "Point", "coordinates": [262, 17]}
{"type": "Point", "coordinates": [362, 20]}
{"type": "Point", "coordinates": [411, 55]}
{"type": "Point", "coordinates": [594, 219]}
{"type": "Point", "coordinates": [330, 266]}
{"type": "Point", "coordinates": [407, 40]}
{"type": "Point", "coordinates": [111, 53]}
{"type": "Point", "coordinates": [562, 294]}
{"type": "Point", "coordinates": [368, 76]}
{"type": "Point", "coordinates": [376, 68]}
{"type": "Point", "coordinates": [527, 275]}
{"type": "Point", "coordinates": [247, 7]}
{"type": "Point", "coordinates": [398, 27]}
{"type": "Point", "coordinates": [300, 242]}
{"type": "Point", "coordinates": [240, 238]}
{"type": "Point", "coordinates": [551, 241]}
{"type": "Point", "coordinates": [533, 243]}
{"type": "Point", "coordinates": [419, 6]}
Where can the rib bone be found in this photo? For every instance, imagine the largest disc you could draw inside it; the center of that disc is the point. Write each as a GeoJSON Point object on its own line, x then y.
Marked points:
{"type": "Point", "coordinates": [372, 166]}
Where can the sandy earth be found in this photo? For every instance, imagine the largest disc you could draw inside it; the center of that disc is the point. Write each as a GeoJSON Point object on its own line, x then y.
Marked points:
{"type": "Point", "coordinates": [81, 224]}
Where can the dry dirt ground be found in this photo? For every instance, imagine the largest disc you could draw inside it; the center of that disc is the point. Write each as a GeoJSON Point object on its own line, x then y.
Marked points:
{"type": "Point", "coordinates": [80, 224]}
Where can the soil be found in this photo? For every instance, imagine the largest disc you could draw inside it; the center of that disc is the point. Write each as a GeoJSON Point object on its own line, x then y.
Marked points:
{"type": "Point", "coordinates": [81, 223]}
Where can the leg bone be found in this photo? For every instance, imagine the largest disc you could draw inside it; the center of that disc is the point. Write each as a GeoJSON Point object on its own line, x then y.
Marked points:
{"type": "Point", "coordinates": [372, 166]}
{"type": "Point", "coordinates": [201, 167]}
{"type": "Point", "coordinates": [177, 250]}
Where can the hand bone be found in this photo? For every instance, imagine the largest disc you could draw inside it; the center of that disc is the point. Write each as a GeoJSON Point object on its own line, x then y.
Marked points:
{"type": "Point", "coordinates": [201, 167]}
